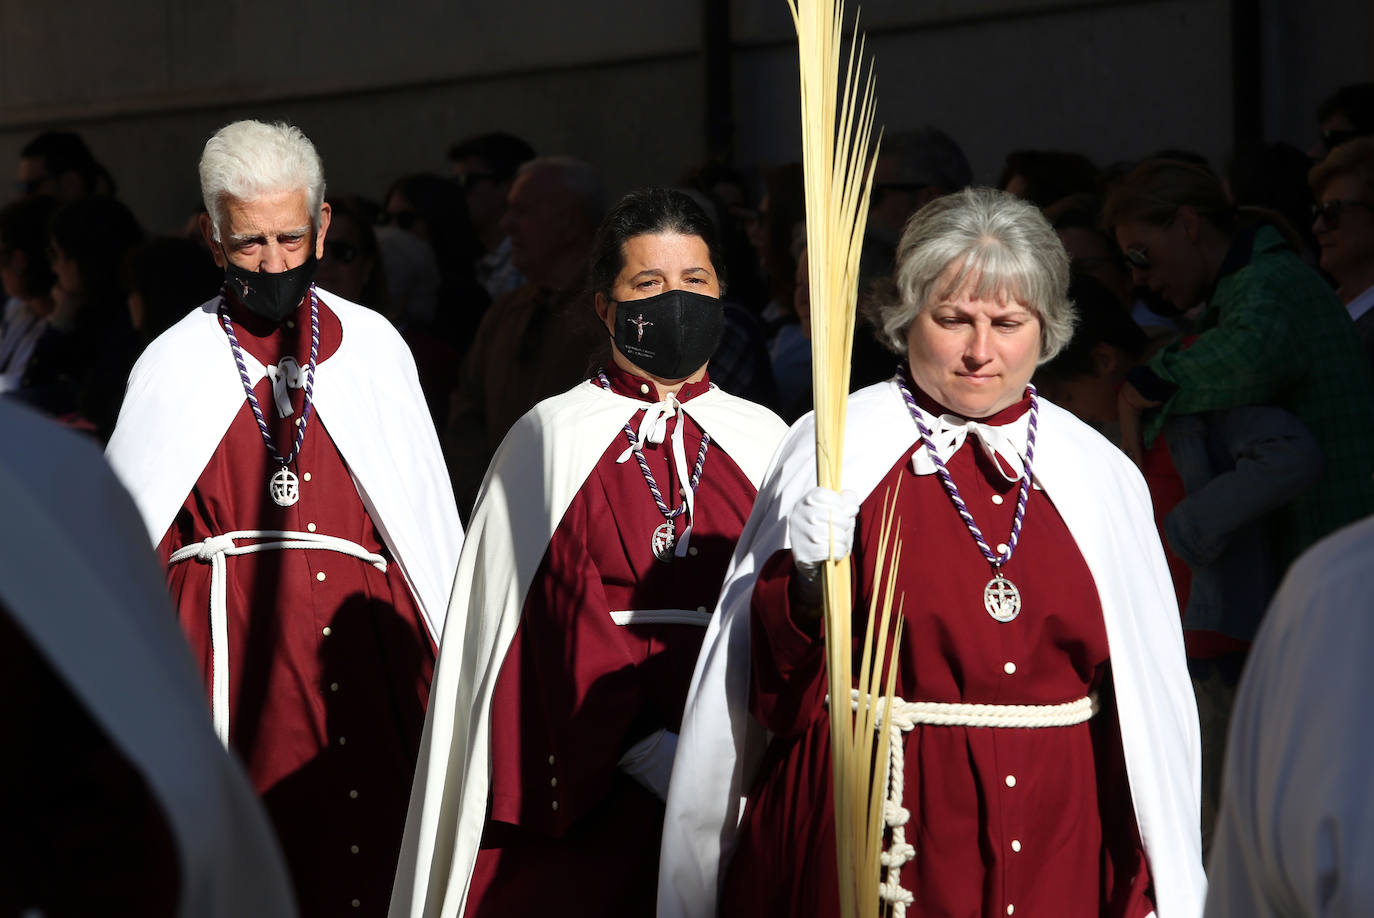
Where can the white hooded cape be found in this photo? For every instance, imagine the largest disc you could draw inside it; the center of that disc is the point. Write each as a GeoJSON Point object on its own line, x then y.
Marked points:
{"type": "Point", "coordinates": [185, 391]}
{"type": "Point", "coordinates": [88, 593]}
{"type": "Point", "coordinates": [1105, 504]}
{"type": "Point", "coordinates": [538, 469]}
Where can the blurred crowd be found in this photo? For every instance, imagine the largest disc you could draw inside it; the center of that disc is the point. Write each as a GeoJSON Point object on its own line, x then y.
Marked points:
{"type": "Point", "coordinates": [1247, 441]}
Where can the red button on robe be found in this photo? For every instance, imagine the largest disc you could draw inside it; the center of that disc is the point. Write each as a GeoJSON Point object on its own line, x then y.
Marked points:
{"type": "Point", "coordinates": [1035, 820]}
{"type": "Point", "coordinates": [568, 831]}
{"type": "Point", "coordinates": [329, 660]}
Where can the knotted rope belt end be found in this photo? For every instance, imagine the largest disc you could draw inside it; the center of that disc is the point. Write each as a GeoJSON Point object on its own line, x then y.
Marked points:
{"type": "Point", "coordinates": [905, 715]}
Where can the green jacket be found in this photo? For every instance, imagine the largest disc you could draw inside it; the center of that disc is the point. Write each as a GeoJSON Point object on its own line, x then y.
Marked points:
{"type": "Point", "coordinates": [1275, 334]}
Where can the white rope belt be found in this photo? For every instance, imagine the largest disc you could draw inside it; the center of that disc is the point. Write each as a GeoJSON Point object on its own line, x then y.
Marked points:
{"type": "Point", "coordinates": [213, 552]}
{"type": "Point", "coordinates": [905, 716]}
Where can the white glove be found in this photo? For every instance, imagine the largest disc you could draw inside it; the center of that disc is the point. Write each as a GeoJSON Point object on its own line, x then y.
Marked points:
{"type": "Point", "coordinates": [821, 528]}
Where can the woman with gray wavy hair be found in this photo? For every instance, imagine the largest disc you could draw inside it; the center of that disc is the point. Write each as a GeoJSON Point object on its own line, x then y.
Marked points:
{"type": "Point", "coordinates": [1045, 740]}
{"type": "Point", "coordinates": [998, 240]}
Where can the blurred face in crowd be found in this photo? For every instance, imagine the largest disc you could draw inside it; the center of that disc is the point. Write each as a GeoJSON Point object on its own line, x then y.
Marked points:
{"type": "Point", "coordinates": [542, 221]}
{"type": "Point", "coordinates": [269, 233]}
{"type": "Point", "coordinates": [1336, 128]}
{"type": "Point", "coordinates": [895, 199]}
{"type": "Point", "coordinates": [65, 268]}
{"type": "Point", "coordinates": [973, 356]}
{"type": "Point", "coordinates": [32, 177]}
{"type": "Point", "coordinates": [1169, 259]}
{"type": "Point", "coordinates": [1345, 230]}
{"type": "Point", "coordinates": [1092, 397]}
{"type": "Point", "coordinates": [344, 269]}
{"type": "Point", "coordinates": [1094, 256]}
{"type": "Point", "coordinates": [402, 214]}
{"type": "Point", "coordinates": [486, 197]}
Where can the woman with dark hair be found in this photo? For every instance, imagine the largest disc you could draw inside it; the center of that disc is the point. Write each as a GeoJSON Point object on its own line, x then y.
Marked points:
{"type": "Point", "coordinates": [595, 554]}
{"type": "Point", "coordinates": [82, 361]}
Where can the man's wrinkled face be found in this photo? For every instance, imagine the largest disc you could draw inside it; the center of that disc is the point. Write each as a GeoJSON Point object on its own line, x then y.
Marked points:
{"type": "Point", "coordinates": [271, 233]}
{"type": "Point", "coordinates": [540, 219]}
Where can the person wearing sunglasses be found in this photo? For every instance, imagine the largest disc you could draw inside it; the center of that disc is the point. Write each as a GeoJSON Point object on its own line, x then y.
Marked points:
{"type": "Point", "coordinates": [484, 166]}
{"type": "Point", "coordinates": [1343, 219]}
{"type": "Point", "coordinates": [1270, 332]}
{"type": "Point", "coordinates": [350, 263]}
{"type": "Point", "coordinates": [59, 163]}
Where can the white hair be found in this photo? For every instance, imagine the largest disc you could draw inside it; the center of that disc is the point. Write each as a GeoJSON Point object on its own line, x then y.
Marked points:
{"type": "Point", "coordinates": [1001, 244]}
{"type": "Point", "coordinates": [249, 159]}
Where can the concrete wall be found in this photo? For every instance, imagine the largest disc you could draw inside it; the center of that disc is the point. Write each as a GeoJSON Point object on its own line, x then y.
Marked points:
{"type": "Point", "coordinates": [1002, 76]}
{"type": "Point", "coordinates": [384, 87]}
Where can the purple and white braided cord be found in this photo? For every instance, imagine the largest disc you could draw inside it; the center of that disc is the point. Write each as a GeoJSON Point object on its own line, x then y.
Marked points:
{"type": "Point", "coordinates": [953, 490]}
{"type": "Point", "coordinates": [307, 409]}
{"type": "Point", "coordinates": [648, 473]}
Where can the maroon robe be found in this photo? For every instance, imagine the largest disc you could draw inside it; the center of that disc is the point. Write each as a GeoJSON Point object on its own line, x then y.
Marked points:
{"type": "Point", "coordinates": [1004, 821]}
{"type": "Point", "coordinates": [576, 690]}
{"type": "Point", "coordinates": [329, 660]}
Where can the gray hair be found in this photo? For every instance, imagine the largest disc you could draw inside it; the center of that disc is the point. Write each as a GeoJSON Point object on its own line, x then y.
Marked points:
{"type": "Point", "coordinates": [578, 178]}
{"type": "Point", "coordinates": [1002, 245]}
{"type": "Point", "coordinates": [249, 159]}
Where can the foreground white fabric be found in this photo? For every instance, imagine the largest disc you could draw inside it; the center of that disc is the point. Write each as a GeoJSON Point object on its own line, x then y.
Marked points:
{"type": "Point", "coordinates": [1295, 835]}
{"type": "Point", "coordinates": [89, 593]}
{"type": "Point", "coordinates": [538, 469]}
{"type": "Point", "coordinates": [1106, 506]}
{"type": "Point", "coordinates": [185, 391]}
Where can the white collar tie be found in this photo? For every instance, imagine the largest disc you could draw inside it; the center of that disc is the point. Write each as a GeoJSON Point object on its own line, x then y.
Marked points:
{"type": "Point", "coordinates": [286, 374]}
{"type": "Point", "coordinates": [653, 428]}
{"type": "Point", "coordinates": [1003, 444]}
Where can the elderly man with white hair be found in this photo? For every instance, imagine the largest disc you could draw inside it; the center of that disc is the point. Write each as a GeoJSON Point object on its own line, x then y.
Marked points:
{"type": "Point", "coordinates": [277, 445]}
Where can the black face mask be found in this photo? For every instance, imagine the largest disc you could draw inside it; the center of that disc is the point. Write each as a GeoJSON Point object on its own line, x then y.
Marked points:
{"type": "Point", "coordinates": [671, 335]}
{"type": "Point", "coordinates": [272, 296]}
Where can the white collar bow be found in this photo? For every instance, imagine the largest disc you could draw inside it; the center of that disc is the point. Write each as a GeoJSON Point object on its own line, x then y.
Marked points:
{"type": "Point", "coordinates": [1004, 444]}
{"type": "Point", "coordinates": [286, 374]}
{"type": "Point", "coordinates": [653, 428]}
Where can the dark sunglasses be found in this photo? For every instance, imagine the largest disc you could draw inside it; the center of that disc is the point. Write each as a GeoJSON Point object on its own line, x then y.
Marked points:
{"type": "Point", "coordinates": [1137, 258]}
{"type": "Point", "coordinates": [342, 252]}
{"type": "Point", "coordinates": [1330, 211]}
